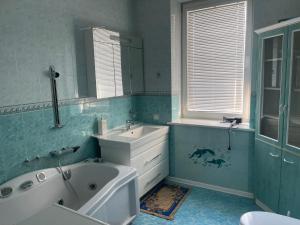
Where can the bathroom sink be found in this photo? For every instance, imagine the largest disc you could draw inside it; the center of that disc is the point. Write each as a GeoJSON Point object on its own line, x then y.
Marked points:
{"type": "Point", "coordinates": [138, 132]}
{"type": "Point", "coordinates": [144, 147]}
{"type": "Point", "coordinates": [137, 136]}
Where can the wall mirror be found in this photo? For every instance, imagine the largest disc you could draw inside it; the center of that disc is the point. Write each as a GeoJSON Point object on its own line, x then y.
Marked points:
{"type": "Point", "coordinates": [114, 63]}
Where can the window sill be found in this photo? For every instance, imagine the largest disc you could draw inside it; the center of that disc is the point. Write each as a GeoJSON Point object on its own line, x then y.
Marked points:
{"type": "Point", "coordinates": [209, 124]}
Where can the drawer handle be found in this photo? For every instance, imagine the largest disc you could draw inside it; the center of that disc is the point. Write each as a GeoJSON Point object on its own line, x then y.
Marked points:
{"type": "Point", "coordinates": [274, 155]}
{"type": "Point", "coordinates": [288, 162]}
{"type": "Point", "coordinates": [147, 162]}
{"type": "Point", "coordinates": [153, 179]}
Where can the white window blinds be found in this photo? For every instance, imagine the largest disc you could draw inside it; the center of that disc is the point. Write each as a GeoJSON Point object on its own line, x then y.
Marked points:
{"type": "Point", "coordinates": [215, 58]}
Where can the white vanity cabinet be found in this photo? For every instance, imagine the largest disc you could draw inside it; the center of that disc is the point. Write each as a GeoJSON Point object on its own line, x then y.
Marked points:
{"type": "Point", "coordinates": [145, 148]}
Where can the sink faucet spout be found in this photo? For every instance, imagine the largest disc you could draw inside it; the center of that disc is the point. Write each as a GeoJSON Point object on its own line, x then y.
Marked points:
{"type": "Point", "coordinates": [129, 124]}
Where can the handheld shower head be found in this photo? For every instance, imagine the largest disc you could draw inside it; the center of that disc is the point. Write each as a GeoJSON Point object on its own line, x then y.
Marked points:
{"type": "Point", "coordinates": [53, 73]}
{"type": "Point", "coordinates": [56, 75]}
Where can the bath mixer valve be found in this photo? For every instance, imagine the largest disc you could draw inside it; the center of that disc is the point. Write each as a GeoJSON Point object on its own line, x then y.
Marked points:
{"type": "Point", "coordinates": [67, 174]}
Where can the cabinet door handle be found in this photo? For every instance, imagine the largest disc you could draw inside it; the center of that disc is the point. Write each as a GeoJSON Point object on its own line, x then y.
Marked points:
{"type": "Point", "coordinates": [288, 161]}
{"type": "Point", "coordinates": [282, 109]}
{"type": "Point", "coordinates": [152, 159]}
{"type": "Point", "coordinates": [274, 155]}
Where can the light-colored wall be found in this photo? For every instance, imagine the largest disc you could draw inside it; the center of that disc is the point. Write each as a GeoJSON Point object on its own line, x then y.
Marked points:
{"type": "Point", "coordinates": [175, 19]}
{"type": "Point", "coordinates": [268, 12]}
{"type": "Point", "coordinates": [35, 34]}
{"type": "Point", "coordinates": [152, 22]}
{"type": "Point", "coordinates": [175, 58]}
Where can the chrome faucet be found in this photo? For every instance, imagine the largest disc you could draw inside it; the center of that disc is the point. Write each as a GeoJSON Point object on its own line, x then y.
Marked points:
{"type": "Point", "coordinates": [232, 124]}
{"type": "Point", "coordinates": [65, 174]}
{"type": "Point", "coordinates": [129, 124]}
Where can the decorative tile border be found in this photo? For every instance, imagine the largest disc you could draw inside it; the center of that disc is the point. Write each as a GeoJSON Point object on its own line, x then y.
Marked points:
{"type": "Point", "coordinates": [153, 93]}
{"type": "Point", "coordinates": [5, 110]}
{"type": "Point", "coordinates": [43, 105]}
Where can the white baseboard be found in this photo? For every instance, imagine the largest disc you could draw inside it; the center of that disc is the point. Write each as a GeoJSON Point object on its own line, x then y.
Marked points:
{"type": "Point", "coordinates": [263, 206]}
{"type": "Point", "coordinates": [191, 183]}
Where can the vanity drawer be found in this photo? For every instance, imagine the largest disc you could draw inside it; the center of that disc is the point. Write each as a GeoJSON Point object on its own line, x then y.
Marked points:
{"type": "Point", "coordinates": [149, 145]}
{"type": "Point", "coordinates": [150, 158]}
{"type": "Point", "coordinates": [153, 177]}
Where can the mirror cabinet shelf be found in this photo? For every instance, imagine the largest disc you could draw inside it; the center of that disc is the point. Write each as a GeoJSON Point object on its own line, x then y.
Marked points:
{"type": "Point", "coordinates": [273, 60]}
{"type": "Point", "coordinates": [273, 117]}
{"type": "Point", "coordinates": [272, 88]}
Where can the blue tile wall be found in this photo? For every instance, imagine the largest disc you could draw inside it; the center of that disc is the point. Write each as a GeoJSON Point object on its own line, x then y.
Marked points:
{"type": "Point", "coordinates": [28, 134]}
{"type": "Point", "coordinates": [148, 105]}
{"type": "Point", "coordinates": [175, 107]}
{"type": "Point", "coordinates": [235, 173]}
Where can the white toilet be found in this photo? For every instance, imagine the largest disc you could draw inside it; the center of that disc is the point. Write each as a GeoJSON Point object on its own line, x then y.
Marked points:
{"type": "Point", "coordinates": [265, 218]}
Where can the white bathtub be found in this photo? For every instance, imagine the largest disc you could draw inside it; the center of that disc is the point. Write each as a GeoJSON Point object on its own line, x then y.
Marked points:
{"type": "Point", "coordinates": [104, 191]}
{"type": "Point", "coordinates": [267, 218]}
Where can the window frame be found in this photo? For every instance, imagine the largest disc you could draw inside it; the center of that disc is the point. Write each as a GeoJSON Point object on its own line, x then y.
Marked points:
{"type": "Point", "coordinates": [247, 67]}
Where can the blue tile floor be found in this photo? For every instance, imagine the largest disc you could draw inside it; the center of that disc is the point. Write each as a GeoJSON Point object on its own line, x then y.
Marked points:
{"type": "Point", "coordinates": [205, 207]}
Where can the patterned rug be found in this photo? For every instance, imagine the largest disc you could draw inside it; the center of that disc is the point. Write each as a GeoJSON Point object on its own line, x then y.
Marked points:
{"type": "Point", "coordinates": [164, 200]}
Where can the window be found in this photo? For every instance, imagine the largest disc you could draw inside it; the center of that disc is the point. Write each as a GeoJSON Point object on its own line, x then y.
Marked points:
{"type": "Point", "coordinates": [214, 47]}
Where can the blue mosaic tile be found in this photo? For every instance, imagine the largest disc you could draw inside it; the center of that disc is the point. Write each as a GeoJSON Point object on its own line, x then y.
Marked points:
{"type": "Point", "coordinates": [147, 106]}
{"type": "Point", "coordinates": [31, 133]}
{"type": "Point", "coordinates": [175, 107]}
{"type": "Point", "coordinates": [204, 207]}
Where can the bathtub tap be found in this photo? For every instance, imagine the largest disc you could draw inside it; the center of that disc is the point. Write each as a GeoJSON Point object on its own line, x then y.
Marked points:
{"type": "Point", "coordinates": [32, 160]}
{"type": "Point", "coordinates": [65, 174]}
{"type": "Point", "coordinates": [64, 151]}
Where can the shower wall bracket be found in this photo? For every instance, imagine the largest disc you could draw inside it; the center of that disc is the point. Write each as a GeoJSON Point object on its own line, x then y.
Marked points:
{"type": "Point", "coordinates": [53, 75]}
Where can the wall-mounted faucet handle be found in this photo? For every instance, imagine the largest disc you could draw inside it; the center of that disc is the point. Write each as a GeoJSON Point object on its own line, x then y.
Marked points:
{"type": "Point", "coordinates": [52, 72]}
{"type": "Point", "coordinates": [31, 160]}
{"type": "Point", "coordinates": [64, 151]}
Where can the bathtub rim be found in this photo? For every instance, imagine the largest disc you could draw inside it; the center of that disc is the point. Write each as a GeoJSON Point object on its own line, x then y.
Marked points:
{"type": "Point", "coordinates": [126, 174]}
{"type": "Point", "coordinates": [54, 172]}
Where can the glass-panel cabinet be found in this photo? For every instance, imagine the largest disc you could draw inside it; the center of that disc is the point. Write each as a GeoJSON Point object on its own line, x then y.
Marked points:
{"type": "Point", "coordinates": [271, 86]}
{"type": "Point", "coordinates": [277, 144]}
{"type": "Point", "coordinates": [293, 130]}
